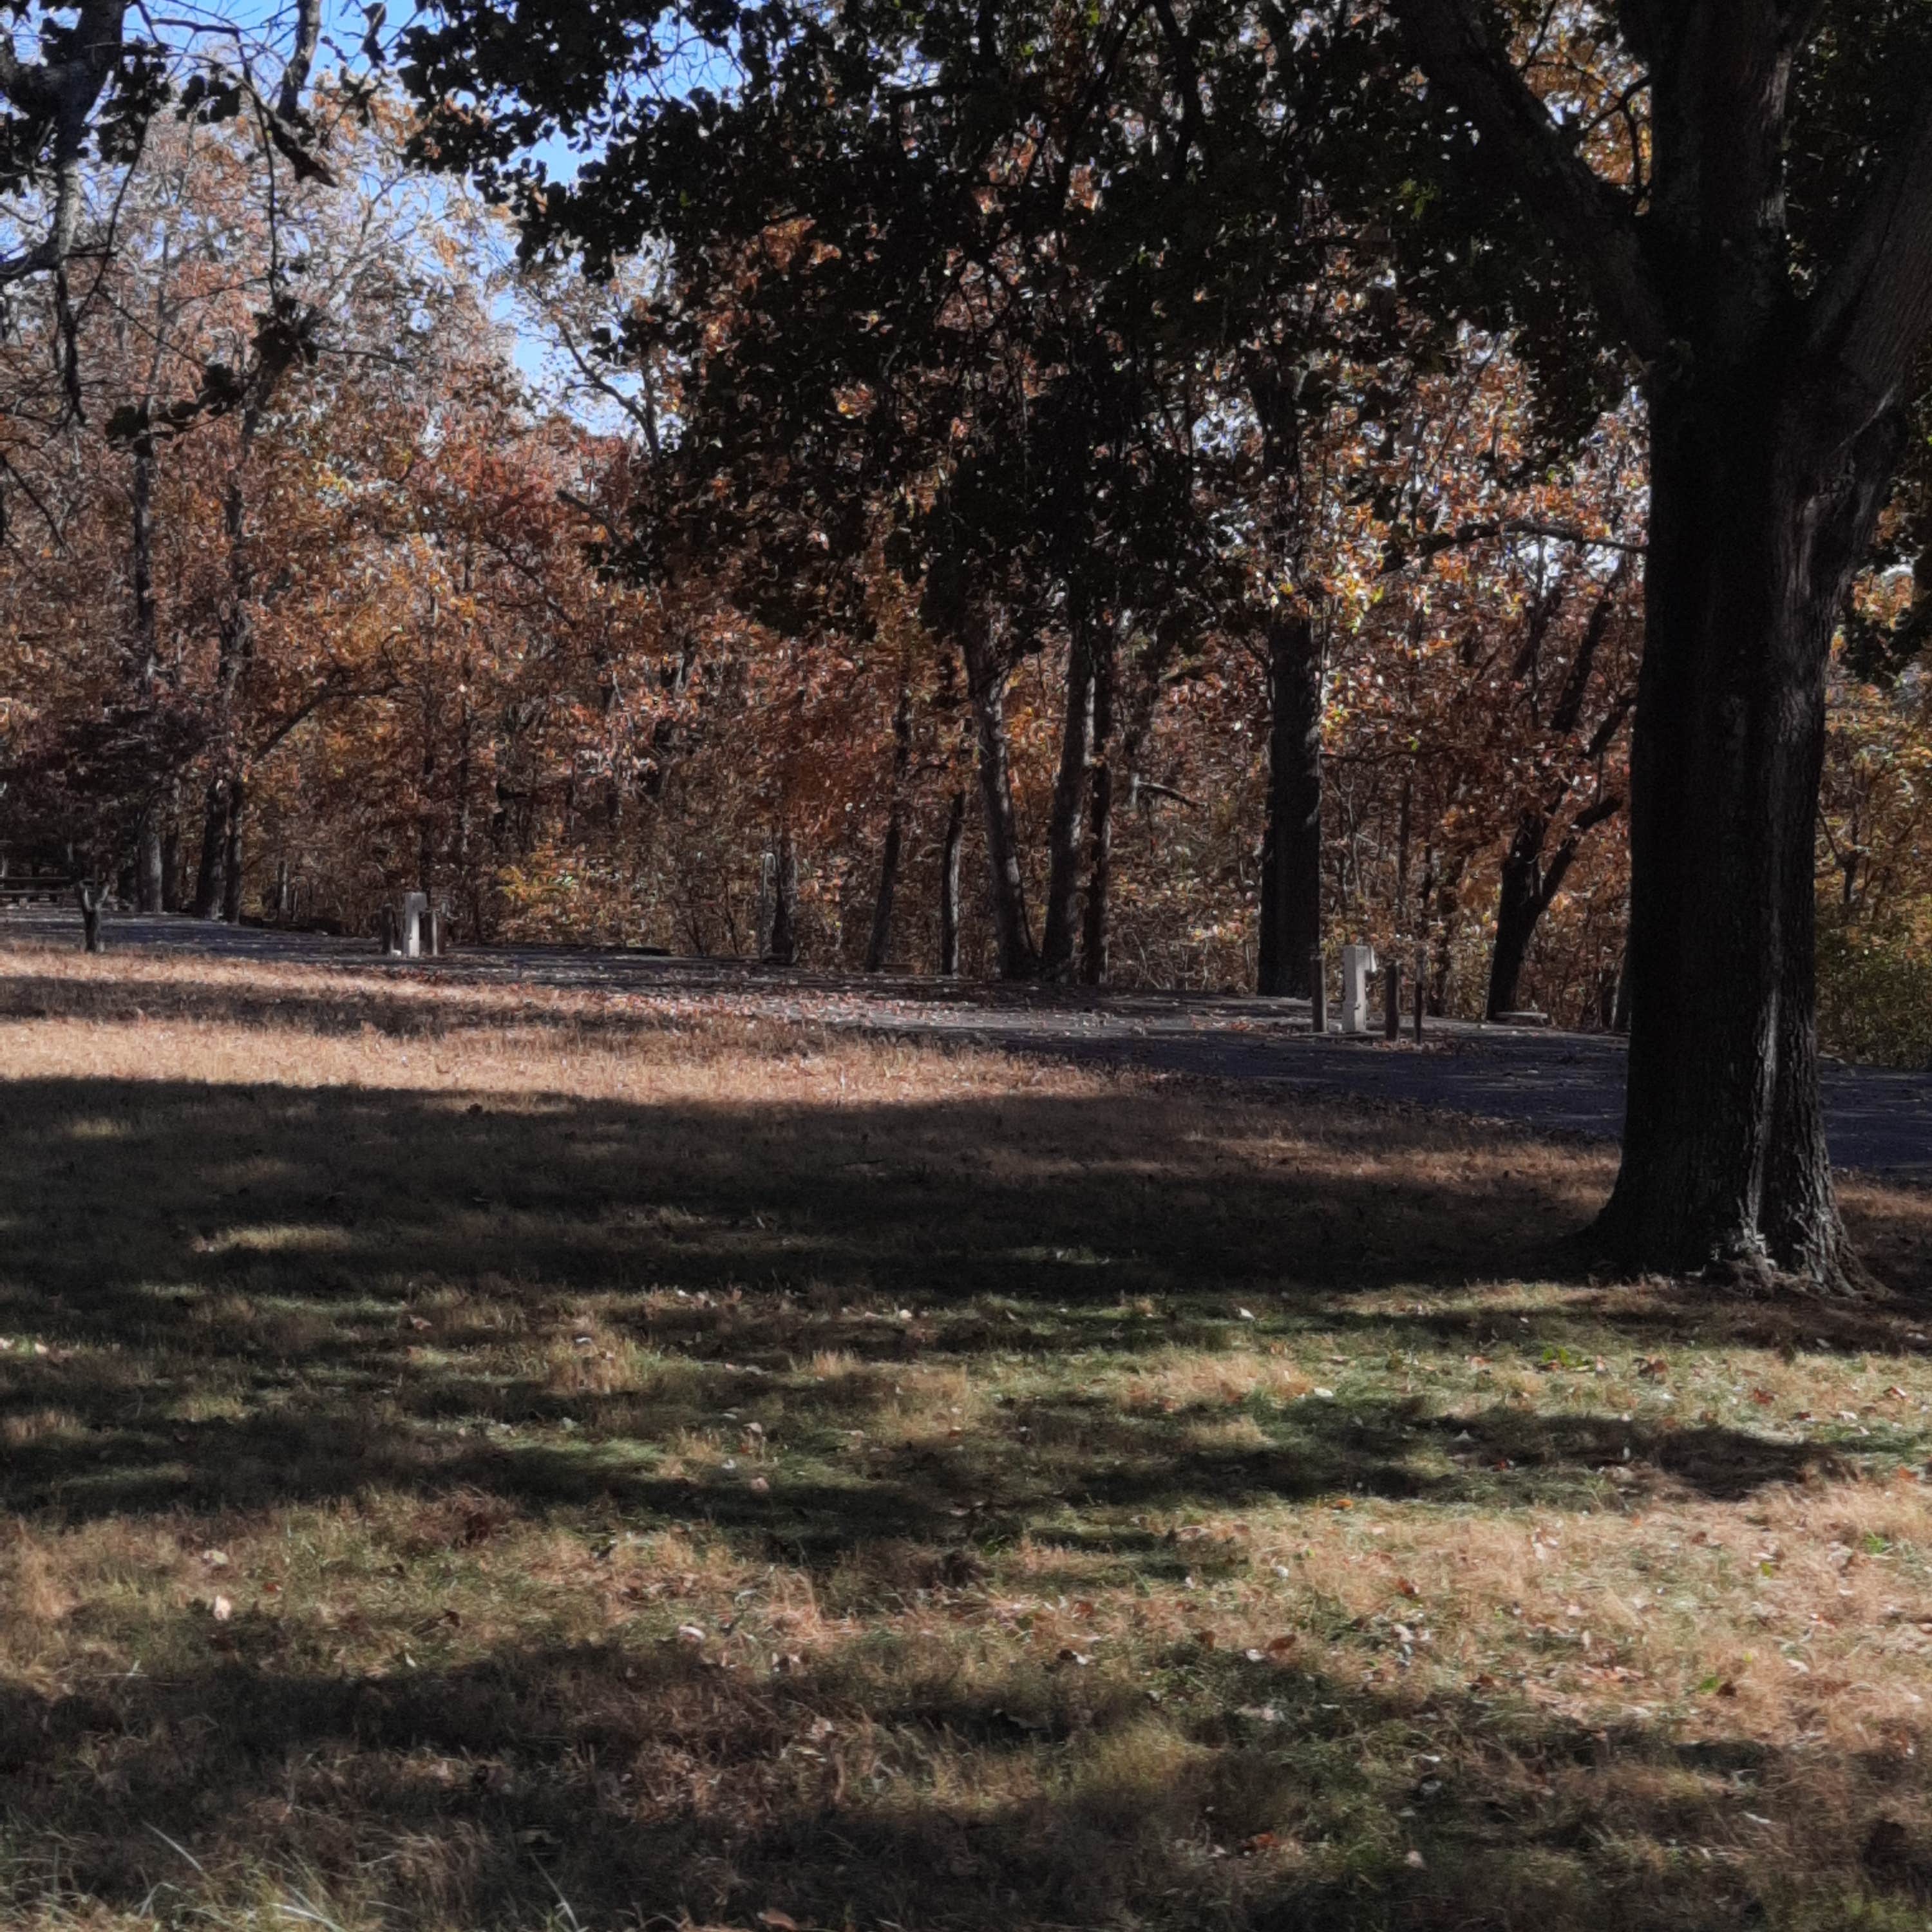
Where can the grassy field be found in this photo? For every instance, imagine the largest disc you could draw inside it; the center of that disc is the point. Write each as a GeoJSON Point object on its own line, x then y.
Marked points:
{"type": "Point", "coordinates": [472, 1463]}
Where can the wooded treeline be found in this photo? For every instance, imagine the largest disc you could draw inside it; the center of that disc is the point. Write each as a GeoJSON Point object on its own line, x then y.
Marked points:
{"type": "Point", "coordinates": [317, 586]}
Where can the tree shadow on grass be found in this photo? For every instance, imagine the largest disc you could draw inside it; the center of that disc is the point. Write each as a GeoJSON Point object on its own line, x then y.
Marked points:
{"type": "Point", "coordinates": [643, 1782]}
{"type": "Point", "coordinates": [244, 1296]}
{"type": "Point", "coordinates": [253, 1297]}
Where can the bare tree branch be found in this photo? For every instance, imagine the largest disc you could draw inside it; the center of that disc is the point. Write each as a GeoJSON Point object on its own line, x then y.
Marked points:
{"type": "Point", "coordinates": [1594, 222]}
{"type": "Point", "coordinates": [63, 90]}
{"type": "Point", "coordinates": [301, 58]}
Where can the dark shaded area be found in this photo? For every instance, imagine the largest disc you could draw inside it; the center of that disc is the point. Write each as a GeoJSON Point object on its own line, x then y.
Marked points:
{"type": "Point", "coordinates": [789, 1233]}
{"type": "Point", "coordinates": [335, 1265]}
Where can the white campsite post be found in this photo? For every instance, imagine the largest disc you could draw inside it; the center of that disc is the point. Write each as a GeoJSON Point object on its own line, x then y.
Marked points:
{"type": "Point", "coordinates": [415, 917]}
{"type": "Point", "coordinates": [1358, 962]}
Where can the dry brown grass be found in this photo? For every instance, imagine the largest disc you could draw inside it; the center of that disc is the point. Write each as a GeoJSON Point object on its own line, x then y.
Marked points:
{"type": "Point", "coordinates": [483, 1460]}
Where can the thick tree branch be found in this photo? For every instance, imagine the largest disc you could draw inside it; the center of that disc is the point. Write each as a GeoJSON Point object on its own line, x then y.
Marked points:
{"type": "Point", "coordinates": [1593, 222]}
{"type": "Point", "coordinates": [1570, 705]}
{"type": "Point", "coordinates": [301, 58]}
{"type": "Point", "coordinates": [1875, 310]}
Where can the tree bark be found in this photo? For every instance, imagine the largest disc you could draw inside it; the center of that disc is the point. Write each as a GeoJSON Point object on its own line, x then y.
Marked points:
{"type": "Point", "coordinates": [1290, 913]}
{"type": "Point", "coordinates": [1756, 529]}
{"type": "Point", "coordinates": [949, 887]}
{"type": "Point", "coordinates": [879, 945]}
{"type": "Point", "coordinates": [986, 674]}
{"type": "Point", "coordinates": [1070, 795]}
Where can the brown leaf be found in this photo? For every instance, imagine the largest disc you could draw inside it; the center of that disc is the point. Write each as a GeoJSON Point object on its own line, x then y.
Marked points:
{"type": "Point", "coordinates": [779, 1922]}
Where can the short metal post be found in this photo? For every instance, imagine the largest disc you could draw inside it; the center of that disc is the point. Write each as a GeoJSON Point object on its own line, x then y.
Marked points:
{"type": "Point", "coordinates": [1392, 1003]}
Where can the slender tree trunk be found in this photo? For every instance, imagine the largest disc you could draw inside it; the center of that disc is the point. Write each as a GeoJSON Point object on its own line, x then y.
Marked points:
{"type": "Point", "coordinates": [214, 838]}
{"type": "Point", "coordinates": [1755, 534]}
{"type": "Point", "coordinates": [1528, 891]}
{"type": "Point", "coordinates": [1070, 795]}
{"type": "Point", "coordinates": [171, 849]}
{"type": "Point", "coordinates": [231, 857]}
{"type": "Point", "coordinates": [1094, 941]}
{"type": "Point", "coordinates": [1291, 920]}
{"type": "Point", "coordinates": [949, 887]}
{"type": "Point", "coordinates": [1448, 910]}
{"type": "Point", "coordinates": [880, 945]}
{"type": "Point", "coordinates": [221, 828]}
{"type": "Point", "coordinates": [784, 949]}
{"type": "Point", "coordinates": [460, 858]}
{"type": "Point", "coordinates": [148, 886]}
{"type": "Point", "coordinates": [1519, 904]}
{"type": "Point", "coordinates": [986, 683]}
{"type": "Point", "coordinates": [89, 897]}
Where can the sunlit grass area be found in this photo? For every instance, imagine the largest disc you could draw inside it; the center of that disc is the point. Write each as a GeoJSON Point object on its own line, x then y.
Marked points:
{"type": "Point", "coordinates": [475, 1460]}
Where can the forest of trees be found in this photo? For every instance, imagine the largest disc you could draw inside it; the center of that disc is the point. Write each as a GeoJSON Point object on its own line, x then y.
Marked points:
{"type": "Point", "coordinates": [1124, 495]}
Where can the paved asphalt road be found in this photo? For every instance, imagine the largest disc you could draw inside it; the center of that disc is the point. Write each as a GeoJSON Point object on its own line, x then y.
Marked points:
{"type": "Point", "coordinates": [1877, 1119]}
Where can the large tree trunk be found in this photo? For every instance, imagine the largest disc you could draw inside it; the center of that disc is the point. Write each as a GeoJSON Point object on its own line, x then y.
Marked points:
{"type": "Point", "coordinates": [880, 944]}
{"type": "Point", "coordinates": [1755, 532]}
{"type": "Point", "coordinates": [1291, 921]}
{"type": "Point", "coordinates": [986, 683]}
{"type": "Point", "coordinates": [1070, 795]}
{"type": "Point", "coordinates": [1093, 939]}
{"type": "Point", "coordinates": [1777, 381]}
{"type": "Point", "coordinates": [949, 887]}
